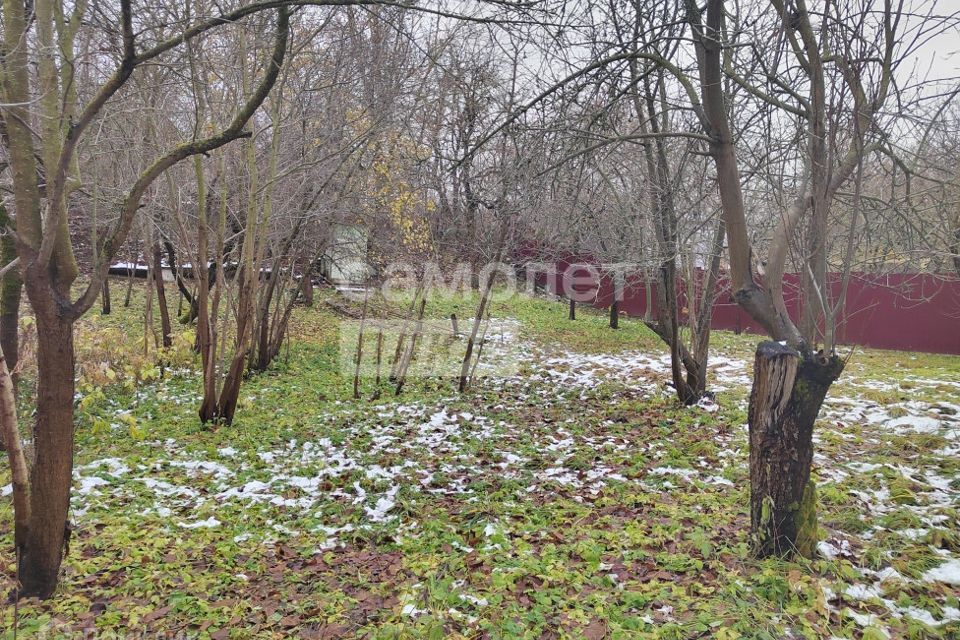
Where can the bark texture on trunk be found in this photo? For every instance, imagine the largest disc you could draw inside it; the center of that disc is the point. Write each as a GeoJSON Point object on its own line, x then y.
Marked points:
{"type": "Point", "coordinates": [19, 470]}
{"type": "Point", "coordinates": [307, 289]}
{"type": "Point", "coordinates": [788, 390]}
{"type": "Point", "coordinates": [41, 546]}
{"type": "Point", "coordinates": [615, 314]}
{"type": "Point", "coordinates": [105, 298]}
{"type": "Point", "coordinates": [573, 310]}
{"type": "Point", "coordinates": [165, 326]}
{"type": "Point", "coordinates": [10, 289]}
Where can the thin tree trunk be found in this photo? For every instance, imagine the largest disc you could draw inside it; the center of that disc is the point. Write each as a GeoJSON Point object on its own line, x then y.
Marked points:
{"type": "Point", "coordinates": [10, 432]}
{"type": "Point", "coordinates": [401, 339]}
{"type": "Point", "coordinates": [648, 307]}
{"type": "Point", "coordinates": [131, 276]}
{"type": "Point", "coordinates": [206, 316]}
{"type": "Point", "coordinates": [398, 352]}
{"type": "Point", "coordinates": [700, 335]}
{"type": "Point", "coordinates": [788, 391]}
{"type": "Point", "coordinates": [573, 309]}
{"type": "Point", "coordinates": [376, 390]}
{"type": "Point", "coordinates": [481, 309]}
{"type": "Point", "coordinates": [105, 298]}
{"type": "Point", "coordinates": [359, 356]}
{"type": "Point", "coordinates": [956, 250]}
{"type": "Point", "coordinates": [150, 287]}
{"type": "Point", "coordinates": [408, 355]}
{"type": "Point", "coordinates": [162, 297]}
{"type": "Point", "coordinates": [10, 292]}
{"type": "Point", "coordinates": [661, 194]}
{"type": "Point", "coordinates": [476, 361]}
{"type": "Point", "coordinates": [615, 314]}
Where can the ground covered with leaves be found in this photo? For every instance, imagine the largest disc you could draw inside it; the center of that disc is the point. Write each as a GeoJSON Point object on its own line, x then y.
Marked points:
{"type": "Point", "coordinates": [572, 498]}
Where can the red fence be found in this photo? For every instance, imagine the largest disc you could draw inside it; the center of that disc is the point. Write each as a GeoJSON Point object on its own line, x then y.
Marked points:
{"type": "Point", "coordinates": [910, 312]}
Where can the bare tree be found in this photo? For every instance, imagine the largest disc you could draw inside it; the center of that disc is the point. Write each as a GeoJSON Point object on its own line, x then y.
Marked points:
{"type": "Point", "coordinates": [44, 246]}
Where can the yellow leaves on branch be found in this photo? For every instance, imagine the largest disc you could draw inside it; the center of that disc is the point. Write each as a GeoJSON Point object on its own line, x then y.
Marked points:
{"type": "Point", "coordinates": [392, 192]}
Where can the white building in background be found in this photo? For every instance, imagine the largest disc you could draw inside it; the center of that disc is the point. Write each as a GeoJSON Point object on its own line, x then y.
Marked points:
{"type": "Point", "coordinates": [345, 261]}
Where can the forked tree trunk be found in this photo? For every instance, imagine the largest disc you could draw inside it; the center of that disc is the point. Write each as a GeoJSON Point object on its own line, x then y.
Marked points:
{"type": "Point", "coordinates": [262, 354]}
{"type": "Point", "coordinates": [409, 354]}
{"type": "Point", "coordinates": [185, 293]}
{"type": "Point", "coordinates": [788, 390]}
{"type": "Point", "coordinates": [41, 545]}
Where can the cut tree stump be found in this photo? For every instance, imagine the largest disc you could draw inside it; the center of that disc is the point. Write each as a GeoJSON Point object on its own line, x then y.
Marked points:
{"type": "Point", "coordinates": [788, 390]}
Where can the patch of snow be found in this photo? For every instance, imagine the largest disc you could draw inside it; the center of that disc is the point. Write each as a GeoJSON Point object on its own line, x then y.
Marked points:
{"type": "Point", "coordinates": [384, 504]}
{"type": "Point", "coordinates": [914, 424]}
{"type": "Point", "coordinates": [202, 466]}
{"type": "Point", "coordinates": [89, 483]}
{"type": "Point", "coordinates": [948, 573]}
{"type": "Point", "coordinates": [686, 474]}
{"type": "Point", "coordinates": [209, 523]}
{"type": "Point", "coordinates": [862, 592]}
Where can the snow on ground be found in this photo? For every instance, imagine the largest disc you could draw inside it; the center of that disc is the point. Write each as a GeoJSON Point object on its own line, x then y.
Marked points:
{"type": "Point", "coordinates": [387, 459]}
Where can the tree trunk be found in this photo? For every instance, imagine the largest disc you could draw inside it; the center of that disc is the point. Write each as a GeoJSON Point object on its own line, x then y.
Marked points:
{"type": "Point", "coordinates": [408, 356]}
{"type": "Point", "coordinates": [42, 544]}
{"type": "Point", "coordinates": [573, 309]}
{"type": "Point", "coordinates": [615, 314]}
{"type": "Point", "coordinates": [376, 386]}
{"type": "Point", "coordinates": [10, 288]}
{"type": "Point", "coordinates": [359, 356]}
{"type": "Point", "coordinates": [788, 390]}
{"type": "Point", "coordinates": [307, 289]}
{"type": "Point", "coordinates": [105, 297]}
{"type": "Point", "coordinates": [262, 353]}
{"type": "Point", "coordinates": [10, 430]}
{"type": "Point", "coordinates": [955, 247]}
{"type": "Point", "coordinates": [131, 276]}
{"type": "Point", "coordinates": [472, 340]}
{"type": "Point", "coordinates": [162, 297]}
{"type": "Point", "coordinates": [185, 293]}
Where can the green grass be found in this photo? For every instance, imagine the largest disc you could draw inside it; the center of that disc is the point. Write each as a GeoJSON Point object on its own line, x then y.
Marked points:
{"type": "Point", "coordinates": [496, 527]}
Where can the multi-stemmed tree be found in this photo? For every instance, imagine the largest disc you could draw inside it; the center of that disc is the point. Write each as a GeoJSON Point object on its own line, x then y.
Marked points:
{"type": "Point", "coordinates": [42, 184]}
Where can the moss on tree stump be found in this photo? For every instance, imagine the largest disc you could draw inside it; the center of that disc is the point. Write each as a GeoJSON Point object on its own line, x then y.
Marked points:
{"type": "Point", "coordinates": [807, 521]}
